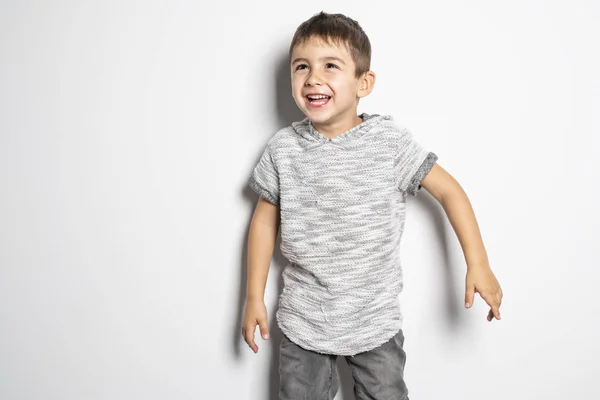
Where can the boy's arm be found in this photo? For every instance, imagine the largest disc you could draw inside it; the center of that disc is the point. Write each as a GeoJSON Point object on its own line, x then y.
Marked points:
{"type": "Point", "coordinates": [261, 244]}
{"type": "Point", "coordinates": [480, 278]}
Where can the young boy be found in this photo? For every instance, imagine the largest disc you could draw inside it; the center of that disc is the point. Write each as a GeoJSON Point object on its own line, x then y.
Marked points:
{"type": "Point", "coordinates": [338, 184]}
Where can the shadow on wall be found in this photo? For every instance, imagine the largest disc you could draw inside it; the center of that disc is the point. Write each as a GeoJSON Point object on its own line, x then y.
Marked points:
{"type": "Point", "coordinates": [286, 109]}
{"type": "Point", "coordinates": [451, 303]}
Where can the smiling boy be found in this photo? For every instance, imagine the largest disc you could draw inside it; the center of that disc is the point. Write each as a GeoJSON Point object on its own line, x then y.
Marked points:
{"type": "Point", "coordinates": [337, 184]}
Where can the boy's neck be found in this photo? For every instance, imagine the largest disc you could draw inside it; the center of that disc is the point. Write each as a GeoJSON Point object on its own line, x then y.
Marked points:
{"type": "Point", "coordinates": [337, 128]}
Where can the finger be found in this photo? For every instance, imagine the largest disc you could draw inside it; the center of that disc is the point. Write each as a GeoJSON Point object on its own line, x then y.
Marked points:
{"type": "Point", "coordinates": [490, 315]}
{"type": "Point", "coordinates": [264, 330]}
{"type": "Point", "coordinates": [496, 311]}
{"type": "Point", "coordinates": [249, 337]}
{"type": "Point", "coordinates": [492, 301]}
{"type": "Point", "coordinates": [469, 295]}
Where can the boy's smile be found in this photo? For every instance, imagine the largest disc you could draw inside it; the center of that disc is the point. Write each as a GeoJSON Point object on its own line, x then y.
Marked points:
{"type": "Point", "coordinates": [325, 86]}
{"type": "Point", "coordinates": [317, 100]}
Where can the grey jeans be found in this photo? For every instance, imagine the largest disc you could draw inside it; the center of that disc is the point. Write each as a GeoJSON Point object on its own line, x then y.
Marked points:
{"type": "Point", "coordinates": [378, 374]}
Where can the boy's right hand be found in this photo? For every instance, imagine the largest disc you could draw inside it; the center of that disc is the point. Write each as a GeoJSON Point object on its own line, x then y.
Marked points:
{"type": "Point", "coordinates": [255, 314]}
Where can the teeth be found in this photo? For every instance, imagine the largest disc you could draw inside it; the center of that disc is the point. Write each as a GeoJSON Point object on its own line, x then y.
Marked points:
{"type": "Point", "coordinates": [319, 96]}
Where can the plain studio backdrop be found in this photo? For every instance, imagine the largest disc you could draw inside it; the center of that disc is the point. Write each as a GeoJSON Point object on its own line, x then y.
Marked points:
{"type": "Point", "coordinates": [128, 132]}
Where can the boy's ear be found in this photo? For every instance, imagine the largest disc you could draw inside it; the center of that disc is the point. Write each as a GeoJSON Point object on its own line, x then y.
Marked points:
{"type": "Point", "coordinates": [366, 84]}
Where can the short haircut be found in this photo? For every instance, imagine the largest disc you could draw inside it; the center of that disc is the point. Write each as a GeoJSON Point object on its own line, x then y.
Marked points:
{"type": "Point", "coordinates": [340, 30]}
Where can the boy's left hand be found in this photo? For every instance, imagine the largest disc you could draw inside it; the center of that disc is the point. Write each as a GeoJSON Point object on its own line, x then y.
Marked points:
{"type": "Point", "coordinates": [481, 279]}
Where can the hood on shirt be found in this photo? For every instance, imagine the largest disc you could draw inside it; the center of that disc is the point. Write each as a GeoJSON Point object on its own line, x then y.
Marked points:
{"type": "Point", "coordinates": [311, 138]}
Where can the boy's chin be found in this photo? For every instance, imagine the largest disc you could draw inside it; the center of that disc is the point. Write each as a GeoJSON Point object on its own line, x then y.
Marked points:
{"type": "Point", "coordinates": [317, 117]}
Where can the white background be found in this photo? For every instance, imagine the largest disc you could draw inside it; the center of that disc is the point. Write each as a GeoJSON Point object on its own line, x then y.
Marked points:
{"type": "Point", "coordinates": [128, 131]}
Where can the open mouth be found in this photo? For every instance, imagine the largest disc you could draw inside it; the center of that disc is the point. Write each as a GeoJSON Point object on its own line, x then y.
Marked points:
{"type": "Point", "coordinates": [317, 100]}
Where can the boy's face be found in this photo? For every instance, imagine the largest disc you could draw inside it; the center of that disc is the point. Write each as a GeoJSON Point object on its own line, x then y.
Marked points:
{"type": "Point", "coordinates": [319, 69]}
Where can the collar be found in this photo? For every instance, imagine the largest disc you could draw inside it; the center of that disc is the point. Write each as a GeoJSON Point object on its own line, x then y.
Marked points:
{"type": "Point", "coordinates": [315, 139]}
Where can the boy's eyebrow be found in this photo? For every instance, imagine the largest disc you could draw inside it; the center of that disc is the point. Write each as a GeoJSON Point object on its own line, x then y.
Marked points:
{"type": "Point", "coordinates": [321, 59]}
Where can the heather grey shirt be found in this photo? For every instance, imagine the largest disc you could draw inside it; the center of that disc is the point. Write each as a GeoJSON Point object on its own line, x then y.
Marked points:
{"type": "Point", "coordinates": [343, 205]}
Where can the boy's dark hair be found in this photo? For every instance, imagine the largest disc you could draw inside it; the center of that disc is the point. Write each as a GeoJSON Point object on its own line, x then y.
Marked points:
{"type": "Point", "coordinates": [342, 31]}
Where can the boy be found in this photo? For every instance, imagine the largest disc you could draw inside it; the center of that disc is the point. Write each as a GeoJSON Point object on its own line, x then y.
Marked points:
{"type": "Point", "coordinates": [338, 182]}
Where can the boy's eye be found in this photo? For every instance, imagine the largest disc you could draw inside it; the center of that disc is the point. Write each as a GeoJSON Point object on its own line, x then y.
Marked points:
{"type": "Point", "coordinates": [303, 66]}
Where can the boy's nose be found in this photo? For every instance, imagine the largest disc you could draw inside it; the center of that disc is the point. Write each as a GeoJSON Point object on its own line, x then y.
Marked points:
{"type": "Point", "coordinates": [313, 79]}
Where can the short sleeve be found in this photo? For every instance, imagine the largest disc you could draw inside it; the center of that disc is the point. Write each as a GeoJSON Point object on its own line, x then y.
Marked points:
{"type": "Point", "coordinates": [412, 162]}
{"type": "Point", "coordinates": [264, 179]}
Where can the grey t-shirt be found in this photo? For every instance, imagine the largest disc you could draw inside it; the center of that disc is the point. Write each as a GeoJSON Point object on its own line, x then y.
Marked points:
{"type": "Point", "coordinates": [343, 204]}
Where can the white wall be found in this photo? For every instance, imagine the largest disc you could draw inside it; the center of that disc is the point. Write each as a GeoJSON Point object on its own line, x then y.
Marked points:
{"type": "Point", "coordinates": [128, 131]}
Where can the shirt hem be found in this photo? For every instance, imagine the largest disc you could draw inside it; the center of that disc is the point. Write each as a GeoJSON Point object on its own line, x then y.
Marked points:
{"type": "Point", "coordinates": [373, 344]}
